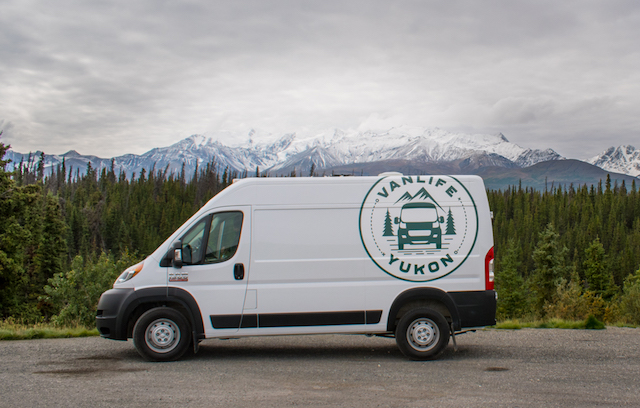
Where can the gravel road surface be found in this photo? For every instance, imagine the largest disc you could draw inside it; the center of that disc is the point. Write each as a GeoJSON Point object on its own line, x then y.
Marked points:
{"type": "Point", "coordinates": [492, 368]}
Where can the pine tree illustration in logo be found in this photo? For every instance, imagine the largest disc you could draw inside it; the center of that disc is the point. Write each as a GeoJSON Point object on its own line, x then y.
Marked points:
{"type": "Point", "coordinates": [388, 228]}
{"type": "Point", "coordinates": [451, 229]}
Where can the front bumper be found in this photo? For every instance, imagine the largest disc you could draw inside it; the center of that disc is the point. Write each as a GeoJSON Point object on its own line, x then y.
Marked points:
{"type": "Point", "coordinates": [109, 314]}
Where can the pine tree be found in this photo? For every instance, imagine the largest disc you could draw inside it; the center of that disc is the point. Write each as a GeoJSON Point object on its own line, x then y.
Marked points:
{"type": "Point", "coordinates": [388, 228]}
{"type": "Point", "coordinates": [225, 177]}
{"type": "Point", "coordinates": [21, 220]}
{"type": "Point", "coordinates": [512, 296]}
{"type": "Point", "coordinates": [599, 279]}
{"type": "Point", "coordinates": [40, 171]}
{"type": "Point", "coordinates": [550, 266]}
{"type": "Point", "coordinates": [451, 230]}
{"type": "Point", "coordinates": [11, 233]}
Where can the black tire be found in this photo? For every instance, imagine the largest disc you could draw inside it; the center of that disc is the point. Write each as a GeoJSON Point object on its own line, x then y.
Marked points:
{"type": "Point", "coordinates": [422, 334]}
{"type": "Point", "coordinates": [162, 334]}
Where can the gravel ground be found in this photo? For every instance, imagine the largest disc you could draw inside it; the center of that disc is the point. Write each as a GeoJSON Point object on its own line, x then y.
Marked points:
{"type": "Point", "coordinates": [491, 368]}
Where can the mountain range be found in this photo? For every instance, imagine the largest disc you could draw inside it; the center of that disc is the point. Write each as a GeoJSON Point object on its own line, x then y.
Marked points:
{"type": "Point", "coordinates": [622, 159]}
{"type": "Point", "coordinates": [406, 149]}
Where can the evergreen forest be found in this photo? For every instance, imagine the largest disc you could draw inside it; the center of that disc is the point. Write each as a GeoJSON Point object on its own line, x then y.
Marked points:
{"type": "Point", "coordinates": [570, 252]}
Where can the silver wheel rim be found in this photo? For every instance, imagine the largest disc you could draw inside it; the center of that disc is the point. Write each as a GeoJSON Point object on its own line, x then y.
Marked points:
{"type": "Point", "coordinates": [162, 335]}
{"type": "Point", "coordinates": [423, 334]}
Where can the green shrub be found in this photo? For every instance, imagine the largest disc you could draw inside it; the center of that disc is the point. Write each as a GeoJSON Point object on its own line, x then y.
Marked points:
{"type": "Point", "coordinates": [630, 299]}
{"type": "Point", "coordinates": [573, 303]}
{"type": "Point", "coordinates": [76, 293]}
{"type": "Point", "coordinates": [593, 324]}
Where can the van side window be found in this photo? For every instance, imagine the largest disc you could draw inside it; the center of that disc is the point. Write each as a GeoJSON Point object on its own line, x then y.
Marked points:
{"type": "Point", "coordinates": [193, 243]}
{"type": "Point", "coordinates": [224, 236]}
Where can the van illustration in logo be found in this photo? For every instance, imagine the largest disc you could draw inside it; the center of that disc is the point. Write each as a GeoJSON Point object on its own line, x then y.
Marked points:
{"type": "Point", "coordinates": [419, 223]}
{"type": "Point", "coordinates": [418, 228]}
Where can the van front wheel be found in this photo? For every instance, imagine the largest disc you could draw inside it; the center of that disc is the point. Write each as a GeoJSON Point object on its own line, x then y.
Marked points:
{"type": "Point", "coordinates": [161, 334]}
{"type": "Point", "coordinates": [422, 334]}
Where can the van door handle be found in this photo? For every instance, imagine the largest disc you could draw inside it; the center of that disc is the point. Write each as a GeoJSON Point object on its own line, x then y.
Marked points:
{"type": "Point", "coordinates": [238, 271]}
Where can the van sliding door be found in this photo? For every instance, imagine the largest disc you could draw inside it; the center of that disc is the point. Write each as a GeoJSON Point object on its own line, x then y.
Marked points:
{"type": "Point", "coordinates": [306, 270]}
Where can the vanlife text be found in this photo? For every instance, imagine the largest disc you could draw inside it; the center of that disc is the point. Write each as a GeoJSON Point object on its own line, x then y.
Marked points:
{"type": "Point", "coordinates": [393, 185]}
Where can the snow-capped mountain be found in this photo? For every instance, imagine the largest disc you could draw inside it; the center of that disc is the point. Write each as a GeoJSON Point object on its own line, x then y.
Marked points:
{"type": "Point", "coordinates": [280, 155]}
{"type": "Point", "coordinates": [422, 145]}
{"type": "Point", "coordinates": [621, 159]}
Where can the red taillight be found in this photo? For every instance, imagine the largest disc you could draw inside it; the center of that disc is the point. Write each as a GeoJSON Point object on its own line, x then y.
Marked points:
{"type": "Point", "coordinates": [488, 270]}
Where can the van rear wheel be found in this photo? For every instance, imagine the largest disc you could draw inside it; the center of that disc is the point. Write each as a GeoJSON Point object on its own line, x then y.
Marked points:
{"type": "Point", "coordinates": [422, 334]}
{"type": "Point", "coordinates": [161, 334]}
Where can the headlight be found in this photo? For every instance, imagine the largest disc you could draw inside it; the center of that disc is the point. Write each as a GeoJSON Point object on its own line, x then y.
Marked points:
{"type": "Point", "coordinates": [130, 272]}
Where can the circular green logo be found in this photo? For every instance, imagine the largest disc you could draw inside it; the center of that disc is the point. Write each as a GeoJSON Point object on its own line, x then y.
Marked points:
{"type": "Point", "coordinates": [418, 228]}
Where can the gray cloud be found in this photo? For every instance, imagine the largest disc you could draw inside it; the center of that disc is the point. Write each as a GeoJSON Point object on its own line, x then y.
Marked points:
{"type": "Point", "coordinates": [108, 78]}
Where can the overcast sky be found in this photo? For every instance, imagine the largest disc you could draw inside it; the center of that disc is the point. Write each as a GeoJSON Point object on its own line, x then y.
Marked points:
{"type": "Point", "coordinates": [115, 77]}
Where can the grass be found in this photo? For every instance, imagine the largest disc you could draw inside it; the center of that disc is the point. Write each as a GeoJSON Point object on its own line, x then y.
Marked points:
{"type": "Point", "coordinates": [590, 323]}
{"type": "Point", "coordinates": [11, 330]}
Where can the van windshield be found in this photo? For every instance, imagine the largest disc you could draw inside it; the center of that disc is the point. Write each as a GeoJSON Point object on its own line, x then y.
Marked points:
{"type": "Point", "coordinates": [419, 215]}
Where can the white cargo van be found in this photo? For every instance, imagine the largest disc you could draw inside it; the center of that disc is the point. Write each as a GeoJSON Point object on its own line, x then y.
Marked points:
{"type": "Point", "coordinates": [393, 255]}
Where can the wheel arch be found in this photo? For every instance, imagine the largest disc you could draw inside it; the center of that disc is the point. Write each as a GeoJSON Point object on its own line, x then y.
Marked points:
{"type": "Point", "coordinates": [433, 298]}
{"type": "Point", "coordinates": [176, 298]}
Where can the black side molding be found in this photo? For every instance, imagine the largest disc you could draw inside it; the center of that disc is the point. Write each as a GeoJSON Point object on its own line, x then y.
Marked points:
{"type": "Point", "coordinates": [295, 319]}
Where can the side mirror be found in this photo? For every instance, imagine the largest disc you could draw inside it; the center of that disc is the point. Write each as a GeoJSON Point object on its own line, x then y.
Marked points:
{"type": "Point", "coordinates": [396, 220]}
{"type": "Point", "coordinates": [441, 219]}
{"type": "Point", "coordinates": [177, 254]}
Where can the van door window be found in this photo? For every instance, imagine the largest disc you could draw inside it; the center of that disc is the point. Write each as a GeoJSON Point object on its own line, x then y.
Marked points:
{"type": "Point", "coordinates": [224, 236]}
{"type": "Point", "coordinates": [192, 243]}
